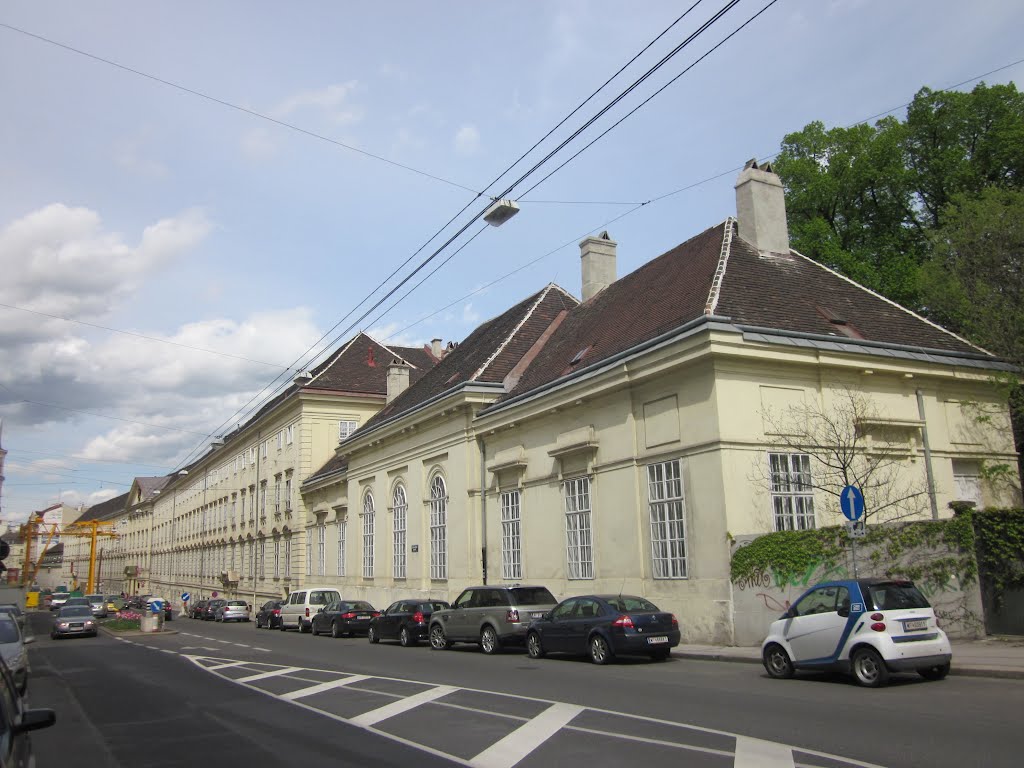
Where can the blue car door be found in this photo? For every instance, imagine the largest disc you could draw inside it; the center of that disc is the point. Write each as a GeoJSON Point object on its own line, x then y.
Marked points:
{"type": "Point", "coordinates": [556, 635]}
{"type": "Point", "coordinates": [587, 614]}
{"type": "Point", "coordinates": [814, 628]}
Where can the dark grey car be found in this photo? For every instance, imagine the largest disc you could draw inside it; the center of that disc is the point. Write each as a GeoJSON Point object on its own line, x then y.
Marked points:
{"type": "Point", "coordinates": [493, 616]}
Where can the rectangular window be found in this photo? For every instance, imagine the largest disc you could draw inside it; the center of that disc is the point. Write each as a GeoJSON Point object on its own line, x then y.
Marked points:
{"type": "Point", "coordinates": [398, 535]}
{"type": "Point", "coordinates": [309, 551]}
{"type": "Point", "coordinates": [252, 560]}
{"type": "Point", "coordinates": [342, 533]}
{"type": "Point", "coordinates": [263, 499]}
{"type": "Point", "coordinates": [234, 508]}
{"type": "Point", "coordinates": [277, 495]}
{"type": "Point", "coordinates": [668, 526]}
{"type": "Point", "coordinates": [263, 556]}
{"type": "Point", "coordinates": [288, 557]}
{"type": "Point", "coordinates": [252, 456]}
{"type": "Point", "coordinates": [232, 566]}
{"type": "Point", "coordinates": [241, 514]}
{"type": "Point", "coordinates": [368, 545]}
{"type": "Point", "coordinates": [346, 428]}
{"type": "Point", "coordinates": [263, 449]}
{"type": "Point", "coordinates": [792, 492]}
{"type": "Point", "coordinates": [280, 440]}
{"type": "Point", "coordinates": [288, 494]}
{"type": "Point", "coordinates": [289, 434]}
{"type": "Point", "coordinates": [277, 558]}
{"type": "Point", "coordinates": [578, 536]}
{"type": "Point", "coordinates": [321, 549]}
{"type": "Point", "coordinates": [511, 536]}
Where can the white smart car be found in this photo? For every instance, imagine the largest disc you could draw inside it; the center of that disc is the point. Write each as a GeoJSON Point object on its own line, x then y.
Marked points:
{"type": "Point", "coordinates": [864, 627]}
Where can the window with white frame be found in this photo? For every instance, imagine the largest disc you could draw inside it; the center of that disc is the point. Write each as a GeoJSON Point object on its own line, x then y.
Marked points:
{"type": "Point", "coordinates": [792, 492]}
{"type": "Point", "coordinates": [252, 560]}
{"type": "Point", "coordinates": [668, 526]}
{"type": "Point", "coordinates": [368, 521]}
{"type": "Point", "coordinates": [280, 440]}
{"type": "Point", "coordinates": [234, 507]}
{"type": "Point", "coordinates": [578, 534]}
{"type": "Point", "coordinates": [342, 535]}
{"type": "Point", "coordinates": [252, 456]}
{"type": "Point", "coordinates": [345, 428]}
{"type": "Point", "coordinates": [438, 528]}
{"type": "Point", "coordinates": [967, 481]}
{"type": "Point", "coordinates": [263, 556]}
{"type": "Point", "coordinates": [511, 536]}
{"type": "Point", "coordinates": [277, 495]}
{"type": "Point", "coordinates": [288, 556]}
{"type": "Point", "coordinates": [309, 551]}
{"type": "Point", "coordinates": [277, 558]}
{"type": "Point", "coordinates": [252, 503]}
{"type": "Point", "coordinates": [289, 434]}
{"type": "Point", "coordinates": [241, 558]}
{"type": "Point", "coordinates": [232, 561]}
{"type": "Point", "coordinates": [399, 509]}
{"type": "Point", "coordinates": [241, 510]}
{"type": "Point", "coordinates": [263, 498]}
{"type": "Point", "coordinates": [321, 549]}
{"type": "Point", "coordinates": [288, 493]}
{"type": "Point", "coordinates": [263, 449]}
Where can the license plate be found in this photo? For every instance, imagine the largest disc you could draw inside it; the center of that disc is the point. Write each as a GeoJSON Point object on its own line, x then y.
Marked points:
{"type": "Point", "coordinates": [77, 626]}
{"type": "Point", "coordinates": [656, 640]}
{"type": "Point", "coordinates": [910, 626]}
{"type": "Point", "coordinates": [536, 614]}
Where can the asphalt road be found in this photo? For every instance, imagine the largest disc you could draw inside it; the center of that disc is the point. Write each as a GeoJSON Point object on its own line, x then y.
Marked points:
{"type": "Point", "coordinates": [263, 697]}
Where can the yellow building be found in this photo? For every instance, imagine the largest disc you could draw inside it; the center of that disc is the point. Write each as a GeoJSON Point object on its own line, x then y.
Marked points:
{"type": "Point", "coordinates": [620, 444]}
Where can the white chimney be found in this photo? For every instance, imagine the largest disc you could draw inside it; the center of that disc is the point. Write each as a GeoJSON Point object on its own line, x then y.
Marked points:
{"type": "Point", "coordinates": [597, 257]}
{"type": "Point", "coordinates": [398, 379]}
{"type": "Point", "coordinates": [761, 209]}
{"type": "Point", "coordinates": [435, 348]}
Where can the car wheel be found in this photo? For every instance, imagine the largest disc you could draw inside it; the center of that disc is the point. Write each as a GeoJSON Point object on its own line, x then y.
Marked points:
{"type": "Point", "coordinates": [869, 669]}
{"type": "Point", "coordinates": [661, 654]}
{"type": "Point", "coordinates": [777, 662]}
{"type": "Point", "coordinates": [534, 646]}
{"type": "Point", "coordinates": [937, 672]}
{"type": "Point", "coordinates": [405, 639]}
{"type": "Point", "coordinates": [257, 622]}
{"type": "Point", "coordinates": [600, 653]}
{"type": "Point", "coordinates": [313, 629]}
{"type": "Point", "coordinates": [371, 635]}
{"type": "Point", "coordinates": [489, 642]}
{"type": "Point", "coordinates": [438, 641]}
{"type": "Point", "coordinates": [305, 627]}
{"type": "Point", "coordinates": [334, 630]}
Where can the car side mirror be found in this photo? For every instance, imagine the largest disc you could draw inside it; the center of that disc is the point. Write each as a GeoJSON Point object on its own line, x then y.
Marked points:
{"type": "Point", "coordinates": [790, 613]}
{"type": "Point", "coordinates": [844, 609]}
{"type": "Point", "coordinates": [34, 719]}
{"type": "Point", "coordinates": [29, 639]}
{"type": "Point", "coordinates": [320, 611]}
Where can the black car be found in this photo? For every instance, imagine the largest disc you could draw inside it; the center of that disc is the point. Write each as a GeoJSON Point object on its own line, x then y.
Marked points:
{"type": "Point", "coordinates": [344, 618]}
{"type": "Point", "coordinates": [197, 609]}
{"type": "Point", "coordinates": [406, 621]}
{"type": "Point", "coordinates": [16, 721]}
{"type": "Point", "coordinates": [604, 626]}
{"type": "Point", "coordinates": [211, 607]}
{"type": "Point", "coordinates": [269, 615]}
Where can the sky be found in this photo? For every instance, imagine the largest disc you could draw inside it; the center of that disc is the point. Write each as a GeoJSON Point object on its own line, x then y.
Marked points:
{"type": "Point", "coordinates": [198, 197]}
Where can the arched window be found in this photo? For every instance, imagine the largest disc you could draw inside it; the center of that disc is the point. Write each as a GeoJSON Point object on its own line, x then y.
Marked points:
{"type": "Point", "coordinates": [400, 509]}
{"type": "Point", "coordinates": [438, 528]}
{"type": "Point", "coordinates": [368, 521]}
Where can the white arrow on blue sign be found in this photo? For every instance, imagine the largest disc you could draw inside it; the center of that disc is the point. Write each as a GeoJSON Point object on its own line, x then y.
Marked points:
{"type": "Point", "coordinates": [851, 502]}
{"type": "Point", "coordinates": [185, 597]}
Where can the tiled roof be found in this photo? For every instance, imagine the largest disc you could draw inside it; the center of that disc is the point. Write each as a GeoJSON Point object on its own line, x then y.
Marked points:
{"type": "Point", "coordinates": [488, 354]}
{"type": "Point", "coordinates": [150, 485]}
{"type": "Point", "coordinates": [334, 464]}
{"type": "Point", "coordinates": [106, 509]}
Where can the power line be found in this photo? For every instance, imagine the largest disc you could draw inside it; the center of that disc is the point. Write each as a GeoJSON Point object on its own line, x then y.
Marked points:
{"type": "Point", "coordinates": [237, 107]}
{"type": "Point", "coordinates": [14, 450]}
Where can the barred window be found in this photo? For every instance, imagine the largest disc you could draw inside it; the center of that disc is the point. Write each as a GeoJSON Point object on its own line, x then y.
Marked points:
{"type": "Point", "coordinates": [321, 549]}
{"type": "Point", "coordinates": [288, 494]}
{"type": "Point", "coordinates": [345, 428]}
{"type": "Point", "coordinates": [309, 551]}
{"type": "Point", "coordinates": [668, 526]}
{"type": "Point", "coordinates": [792, 492]}
{"type": "Point", "coordinates": [438, 528]}
{"type": "Point", "coordinates": [511, 536]}
{"type": "Point", "coordinates": [277, 495]}
{"type": "Point", "coordinates": [263, 557]}
{"type": "Point", "coordinates": [277, 557]}
{"type": "Point", "coordinates": [287, 557]}
{"type": "Point", "coordinates": [342, 535]}
{"type": "Point", "coordinates": [578, 535]}
{"type": "Point", "coordinates": [368, 521]}
{"type": "Point", "coordinates": [400, 509]}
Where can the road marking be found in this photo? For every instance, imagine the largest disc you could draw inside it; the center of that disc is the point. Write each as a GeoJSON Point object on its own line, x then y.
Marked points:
{"type": "Point", "coordinates": [523, 740]}
{"type": "Point", "coordinates": [229, 664]}
{"type": "Point", "coordinates": [168, 650]}
{"type": "Point", "coordinates": [755, 753]}
{"type": "Point", "coordinates": [313, 689]}
{"type": "Point", "coordinates": [271, 673]}
{"type": "Point", "coordinates": [374, 716]}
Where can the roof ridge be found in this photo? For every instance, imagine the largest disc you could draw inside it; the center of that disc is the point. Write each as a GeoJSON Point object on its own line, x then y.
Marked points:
{"type": "Point", "coordinates": [391, 351]}
{"type": "Point", "coordinates": [899, 306]}
{"type": "Point", "coordinates": [723, 262]}
{"type": "Point", "coordinates": [331, 361]}
{"type": "Point", "coordinates": [526, 316]}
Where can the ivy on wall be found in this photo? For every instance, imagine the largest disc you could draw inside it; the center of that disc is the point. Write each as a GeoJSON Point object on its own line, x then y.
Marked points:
{"type": "Point", "coordinates": [1000, 547]}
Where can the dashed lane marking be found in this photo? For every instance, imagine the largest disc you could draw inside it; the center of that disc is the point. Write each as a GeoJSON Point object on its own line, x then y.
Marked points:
{"type": "Point", "coordinates": [403, 705]}
{"type": "Point", "coordinates": [525, 739]}
{"type": "Point", "coordinates": [755, 753]}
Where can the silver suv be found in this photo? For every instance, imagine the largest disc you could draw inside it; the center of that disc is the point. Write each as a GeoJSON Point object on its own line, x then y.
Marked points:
{"type": "Point", "coordinates": [492, 616]}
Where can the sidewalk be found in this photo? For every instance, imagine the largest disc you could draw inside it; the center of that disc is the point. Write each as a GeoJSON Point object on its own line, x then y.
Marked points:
{"type": "Point", "coordinates": [997, 656]}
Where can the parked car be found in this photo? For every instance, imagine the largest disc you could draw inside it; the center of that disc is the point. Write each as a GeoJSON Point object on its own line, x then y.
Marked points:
{"type": "Point", "coordinates": [98, 605]}
{"type": "Point", "coordinates": [233, 610]}
{"type": "Point", "coordinates": [406, 621]}
{"type": "Point", "coordinates": [16, 721]}
{"type": "Point", "coordinates": [865, 627]}
{"type": "Point", "coordinates": [57, 600]}
{"type": "Point", "coordinates": [212, 606]}
{"type": "Point", "coordinates": [115, 603]}
{"type": "Point", "coordinates": [73, 620]}
{"type": "Point", "coordinates": [77, 601]}
{"type": "Point", "coordinates": [492, 616]}
{"type": "Point", "coordinates": [604, 626]}
{"type": "Point", "coordinates": [15, 611]}
{"type": "Point", "coordinates": [197, 609]}
{"type": "Point", "coordinates": [13, 651]}
{"type": "Point", "coordinates": [303, 604]}
{"type": "Point", "coordinates": [343, 618]}
{"type": "Point", "coordinates": [269, 614]}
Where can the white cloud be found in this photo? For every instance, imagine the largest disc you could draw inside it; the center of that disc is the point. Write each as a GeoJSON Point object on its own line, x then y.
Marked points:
{"type": "Point", "coordinates": [469, 315]}
{"type": "Point", "coordinates": [331, 104]}
{"type": "Point", "coordinates": [467, 139]}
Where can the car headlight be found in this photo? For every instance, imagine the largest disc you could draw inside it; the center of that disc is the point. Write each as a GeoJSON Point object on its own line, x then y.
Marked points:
{"type": "Point", "coordinates": [62, 625]}
{"type": "Point", "coordinates": [90, 623]}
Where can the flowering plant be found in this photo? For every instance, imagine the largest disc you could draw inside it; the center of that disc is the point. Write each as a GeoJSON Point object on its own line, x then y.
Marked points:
{"type": "Point", "coordinates": [129, 615]}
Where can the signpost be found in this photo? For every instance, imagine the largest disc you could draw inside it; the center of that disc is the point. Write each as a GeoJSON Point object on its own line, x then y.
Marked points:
{"type": "Point", "coordinates": [851, 502]}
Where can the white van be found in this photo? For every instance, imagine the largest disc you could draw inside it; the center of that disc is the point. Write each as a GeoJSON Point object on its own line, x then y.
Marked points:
{"type": "Point", "coordinates": [302, 605]}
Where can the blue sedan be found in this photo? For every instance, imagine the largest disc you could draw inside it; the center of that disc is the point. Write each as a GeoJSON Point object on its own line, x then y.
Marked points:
{"type": "Point", "coordinates": [604, 626]}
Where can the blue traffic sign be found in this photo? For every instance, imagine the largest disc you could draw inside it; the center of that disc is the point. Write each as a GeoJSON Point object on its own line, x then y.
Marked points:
{"type": "Point", "coordinates": [185, 597]}
{"type": "Point", "coordinates": [851, 502]}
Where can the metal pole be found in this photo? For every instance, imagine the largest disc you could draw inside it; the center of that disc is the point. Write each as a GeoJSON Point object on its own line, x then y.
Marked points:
{"type": "Point", "coordinates": [92, 558]}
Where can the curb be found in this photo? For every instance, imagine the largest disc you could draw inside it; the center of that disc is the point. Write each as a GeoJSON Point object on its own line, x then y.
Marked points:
{"type": "Point", "coordinates": [136, 633]}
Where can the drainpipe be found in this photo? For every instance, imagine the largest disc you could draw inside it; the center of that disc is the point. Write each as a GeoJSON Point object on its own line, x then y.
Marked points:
{"type": "Point", "coordinates": [927, 456]}
{"type": "Point", "coordinates": [483, 507]}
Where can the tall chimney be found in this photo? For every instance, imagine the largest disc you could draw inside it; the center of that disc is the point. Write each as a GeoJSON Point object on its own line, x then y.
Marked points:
{"type": "Point", "coordinates": [761, 209]}
{"type": "Point", "coordinates": [597, 257]}
{"type": "Point", "coordinates": [435, 348]}
{"type": "Point", "coordinates": [398, 379]}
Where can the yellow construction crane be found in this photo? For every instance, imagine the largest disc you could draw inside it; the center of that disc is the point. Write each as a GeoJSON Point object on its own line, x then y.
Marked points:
{"type": "Point", "coordinates": [92, 529]}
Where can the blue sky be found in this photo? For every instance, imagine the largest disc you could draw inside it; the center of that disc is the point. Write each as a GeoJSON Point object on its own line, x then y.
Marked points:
{"type": "Point", "coordinates": [132, 205]}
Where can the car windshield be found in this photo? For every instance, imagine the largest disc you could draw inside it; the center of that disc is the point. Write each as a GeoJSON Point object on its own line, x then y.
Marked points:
{"type": "Point", "coordinates": [61, 595]}
{"type": "Point", "coordinates": [438, 606]}
{"type": "Point", "coordinates": [355, 606]}
{"type": "Point", "coordinates": [892, 596]}
{"type": "Point", "coordinates": [9, 632]}
{"type": "Point", "coordinates": [532, 596]}
{"type": "Point", "coordinates": [94, 598]}
{"type": "Point", "coordinates": [240, 603]}
{"type": "Point", "coordinates": [77, 601]}
{"type": "Point", "coordinates": [74, 611]}
{"type": "Point", "coordinates": [627, 604]}
{"type": "Point", "coordinates": [322, 598]}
